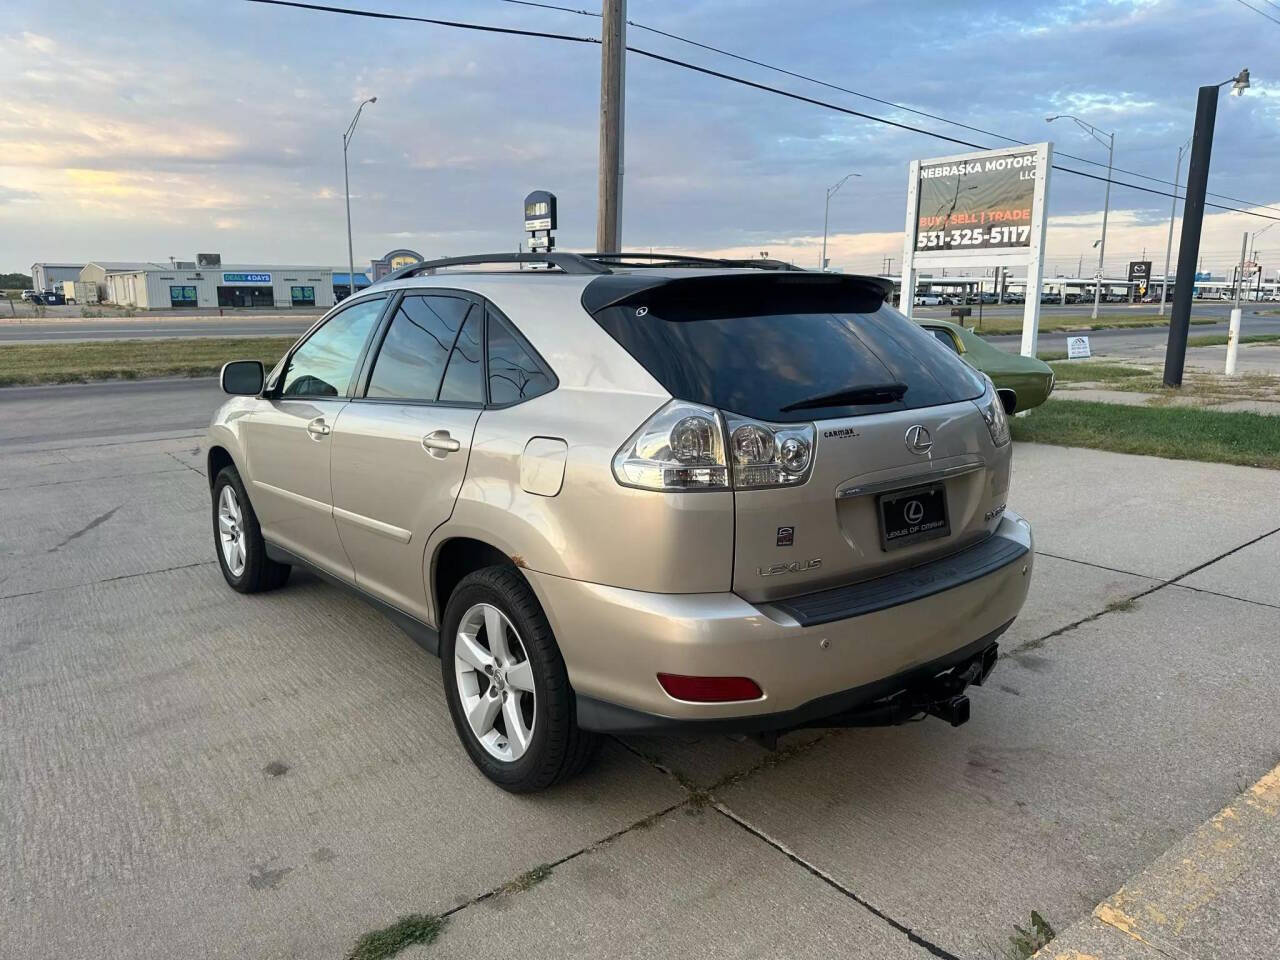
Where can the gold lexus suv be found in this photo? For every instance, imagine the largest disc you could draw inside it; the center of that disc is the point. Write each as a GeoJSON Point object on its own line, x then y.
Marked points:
{"type": "Point", "coordinates": [634, 493]}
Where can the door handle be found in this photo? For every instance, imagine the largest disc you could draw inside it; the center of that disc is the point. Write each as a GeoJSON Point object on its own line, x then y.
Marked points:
{"type": "Point", "coordinates": [318, 428]}
{"type": "Point", "coordinates": [439, 444]}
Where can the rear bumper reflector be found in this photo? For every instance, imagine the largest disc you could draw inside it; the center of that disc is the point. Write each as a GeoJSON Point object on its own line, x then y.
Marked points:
{"type": "Point", "coordinates": [709, 689]}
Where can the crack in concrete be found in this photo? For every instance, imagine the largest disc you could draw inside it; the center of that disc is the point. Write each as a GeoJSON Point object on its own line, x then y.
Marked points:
{"type": "Point", "coordinates": [95, 522]}
{"type": "Point", "coordinates": [94, 583]}
{"type": "Point", "coordinates": [110, 476]}
{"type": "Point", "coordinates": [836, 885]}
{"type": "Point", "coordinates": [1112, 608]}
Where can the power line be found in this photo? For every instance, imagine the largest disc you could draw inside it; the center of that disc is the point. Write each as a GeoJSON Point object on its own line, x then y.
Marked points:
{"type": "Point", "coordinates": [1260, 13]}
{"type": "Point", "coordinates": [375, 15]}
{"type": "Point", "coordinates": [685, 65]}
{"type": "Point", "coordinates": [866, 96]}
{"type": "Point", "coordinates": [893, 123]}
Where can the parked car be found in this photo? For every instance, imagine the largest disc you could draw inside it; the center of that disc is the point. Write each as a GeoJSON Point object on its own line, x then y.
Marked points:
{"type": "Point", "coordinates": [1014, 298]}
{"type": "Point", "coordinates": [28, 295]}
{"type": "Point", "coordinates": [49, 299]}
{"type": "Point", "coordinates": [928, 300]}
{"type": "Point", "coordinates": [981, 298]}
{"type": "Point", "coordinates": [622, 498]}
{"type": "Point", "coordinates": [1021, 382]}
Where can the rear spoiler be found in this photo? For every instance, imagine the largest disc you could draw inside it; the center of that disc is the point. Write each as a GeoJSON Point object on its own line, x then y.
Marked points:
{"type": "Point", "coordinates": [610, 290]}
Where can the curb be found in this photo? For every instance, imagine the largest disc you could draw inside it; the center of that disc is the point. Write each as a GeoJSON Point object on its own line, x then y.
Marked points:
{"type": "Point", "coordinates": [1148, 917]}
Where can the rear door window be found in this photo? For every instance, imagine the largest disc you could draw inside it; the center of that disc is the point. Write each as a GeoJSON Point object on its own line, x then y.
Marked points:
{"type": "Point", "coordinates": [464, 376]}
{"type": "Point", "coordinates": [757, 345]}
{"type": "Point", "coordinates": [419, 340]}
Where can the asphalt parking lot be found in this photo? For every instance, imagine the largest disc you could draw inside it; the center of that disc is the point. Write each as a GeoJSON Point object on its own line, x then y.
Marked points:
{"type": "Point", "coordinates": [191, 772]}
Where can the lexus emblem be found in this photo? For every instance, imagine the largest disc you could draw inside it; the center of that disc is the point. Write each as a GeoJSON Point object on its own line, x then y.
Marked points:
{"type": "Point", "coordinates": [914, 512]}
{"type": "Point", "coordinates": [919, 440]}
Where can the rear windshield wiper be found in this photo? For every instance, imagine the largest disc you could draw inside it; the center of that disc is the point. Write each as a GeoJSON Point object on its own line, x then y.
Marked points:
{"type": "Point", "coordinates": [852, 397]}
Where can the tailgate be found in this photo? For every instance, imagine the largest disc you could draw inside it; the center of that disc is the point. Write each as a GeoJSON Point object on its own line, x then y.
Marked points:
{"type": "Point", "coordinates": [830, 530]}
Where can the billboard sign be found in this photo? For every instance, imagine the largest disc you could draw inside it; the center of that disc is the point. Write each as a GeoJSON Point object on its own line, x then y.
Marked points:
{"type": "Point", "coordinates": [246, 278]}
{"type": "Point", "coordinates": [974, 211]}
{"type": "Point", "coordinates": [979, 203]}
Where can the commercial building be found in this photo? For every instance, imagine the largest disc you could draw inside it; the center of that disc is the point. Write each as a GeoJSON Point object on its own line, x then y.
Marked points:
{"type": "Point", "coordinates": [210, 283]}
{"type": "Point", "coordinates": [49, 276]}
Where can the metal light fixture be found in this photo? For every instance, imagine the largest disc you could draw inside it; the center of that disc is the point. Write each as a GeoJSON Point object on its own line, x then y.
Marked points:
{"type": "Point", "coordinates": [346, 183]}
{"type": "Point", "coordinates": [1108, 140]}
{"type": "Point", "coordinates": [1240, 83]}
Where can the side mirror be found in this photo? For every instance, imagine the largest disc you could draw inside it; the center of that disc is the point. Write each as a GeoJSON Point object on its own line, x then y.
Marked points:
{"type": "Point", "coordinates": [242, 378]}
{"type": "Point", "coordinates": [1008, 400]}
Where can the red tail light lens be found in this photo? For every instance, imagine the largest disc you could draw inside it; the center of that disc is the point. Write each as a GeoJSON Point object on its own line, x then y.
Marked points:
{"type": "Point", "coordinates": [710, 689]}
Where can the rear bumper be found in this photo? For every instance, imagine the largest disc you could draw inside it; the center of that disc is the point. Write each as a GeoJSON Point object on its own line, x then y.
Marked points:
{"type": "Point", "coordinates": [816, 655]}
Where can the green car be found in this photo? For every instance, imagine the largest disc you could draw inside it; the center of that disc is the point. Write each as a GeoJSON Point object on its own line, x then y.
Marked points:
{"type": "Point", "coordinates": [1022, 382]}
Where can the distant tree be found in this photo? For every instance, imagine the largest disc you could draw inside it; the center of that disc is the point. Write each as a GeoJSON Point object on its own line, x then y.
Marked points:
{"type": "Point", "coordinates": [15, 281]}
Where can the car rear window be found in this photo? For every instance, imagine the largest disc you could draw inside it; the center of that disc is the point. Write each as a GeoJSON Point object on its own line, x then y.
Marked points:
{"type": "Point", "coordinates": [756, 345]}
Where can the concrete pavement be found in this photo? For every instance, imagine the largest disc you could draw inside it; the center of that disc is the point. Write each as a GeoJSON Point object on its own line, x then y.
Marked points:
{"type": "Point", "coordinates": [194, 772]}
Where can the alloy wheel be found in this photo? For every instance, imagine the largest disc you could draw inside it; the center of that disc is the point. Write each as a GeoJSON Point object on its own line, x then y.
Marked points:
{"type": "Point", "coordinates": [231, 530]}
{"type": "Point", "coordinates": [495, 682]}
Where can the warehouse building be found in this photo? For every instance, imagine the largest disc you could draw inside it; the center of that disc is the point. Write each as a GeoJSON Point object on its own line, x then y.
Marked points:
{"type": "Point", "coordinates": [49, 276]}
{"type": "Point", "coordinates": [207, 282]}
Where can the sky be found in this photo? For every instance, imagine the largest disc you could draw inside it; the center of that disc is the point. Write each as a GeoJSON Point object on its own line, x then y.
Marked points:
{"type": "Point", "coordinates": [145, 130]}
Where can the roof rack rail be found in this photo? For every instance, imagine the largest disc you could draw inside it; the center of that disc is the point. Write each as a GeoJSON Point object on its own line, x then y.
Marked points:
{"type": "Point", "coordinates": [676, 259]}
{"type": "Point", "coordinates": [567, 262]}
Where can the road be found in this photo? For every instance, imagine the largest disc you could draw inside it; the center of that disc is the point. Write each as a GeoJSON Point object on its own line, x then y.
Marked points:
{"type": "Point", "coordinates": [98, 413]}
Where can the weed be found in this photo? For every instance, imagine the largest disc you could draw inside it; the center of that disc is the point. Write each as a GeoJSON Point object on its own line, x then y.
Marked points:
{"type": "Point", "coordinates": [1127, 605]}
{"type": "Point", "coordinates": [526, 881]}
{"type": "Point", "coordinates": [1025, 942]}
{"type": "Point", "coordinates": [415, 928]}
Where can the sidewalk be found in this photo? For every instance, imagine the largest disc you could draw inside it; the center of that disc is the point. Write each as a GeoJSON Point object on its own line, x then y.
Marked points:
{"type": "Point", "coordinates": [1212, 895]}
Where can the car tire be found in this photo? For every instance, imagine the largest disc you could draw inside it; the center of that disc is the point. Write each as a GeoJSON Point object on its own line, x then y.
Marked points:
{"type": "Point", "coordinates": [512, 705]}
{"type": "Point", "coordinates": [237, 538]}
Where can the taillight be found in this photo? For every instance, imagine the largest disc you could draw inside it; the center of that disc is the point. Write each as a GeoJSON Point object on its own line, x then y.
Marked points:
{"type": "Point", "coordinates": [709, 689]}
{"type": "Point", "coordinates": [992, 411]}
{"type": "Point", "coordinates": [683, 447]}
{"type": "Point", "coordinates": [769, 454]}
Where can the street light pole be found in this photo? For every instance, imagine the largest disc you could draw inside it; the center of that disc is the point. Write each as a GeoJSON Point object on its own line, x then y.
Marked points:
{"type": "Point", "coordinates": [346, 183]}
{"type": "Point", "coordinates": [826, 217]}
{"type": "Point", "coordinates": [1175, 356]}
{"type": "Point", "coordinates": [1110, 144]}
{"type": "Point", "coordinates": [1173, 215]}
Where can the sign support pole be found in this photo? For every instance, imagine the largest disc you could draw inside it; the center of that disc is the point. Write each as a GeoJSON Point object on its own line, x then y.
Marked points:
{"type": "Point", "coordinates": [1035, 267]}
{"type": "Point", "coordinates": [907, 298]}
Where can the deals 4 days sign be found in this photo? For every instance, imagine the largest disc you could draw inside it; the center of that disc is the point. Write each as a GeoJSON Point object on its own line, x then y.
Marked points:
{"type": "Point", "coordinates": [978, 203]}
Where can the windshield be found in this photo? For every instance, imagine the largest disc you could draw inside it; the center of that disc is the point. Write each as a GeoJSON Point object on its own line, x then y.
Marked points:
{"type": "Point", "coordinates": [768, 349]}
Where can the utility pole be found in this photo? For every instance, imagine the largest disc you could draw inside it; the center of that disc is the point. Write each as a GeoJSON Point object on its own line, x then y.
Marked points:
{"type": "Point", "coordinates": [1192, 219]}
{"type": "Point", "coordinates": [613, 60]}
{"type": "Point", "coordinates": [1173, 214]}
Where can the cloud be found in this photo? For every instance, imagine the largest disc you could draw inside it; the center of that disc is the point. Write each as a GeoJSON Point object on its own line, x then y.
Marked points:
{"type": "Point", "coordinates": [181, 121]}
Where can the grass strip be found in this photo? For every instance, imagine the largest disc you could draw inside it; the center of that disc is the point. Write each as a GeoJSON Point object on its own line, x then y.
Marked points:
{"type": "Point", "coordinates": [1179, 433]}
{"type": "Point", "coordinates": [1086, 371]}
{"type": "Point", "coordinates": [86, 360]}
{"type": "Point", "coordinates": [1220, 339]}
